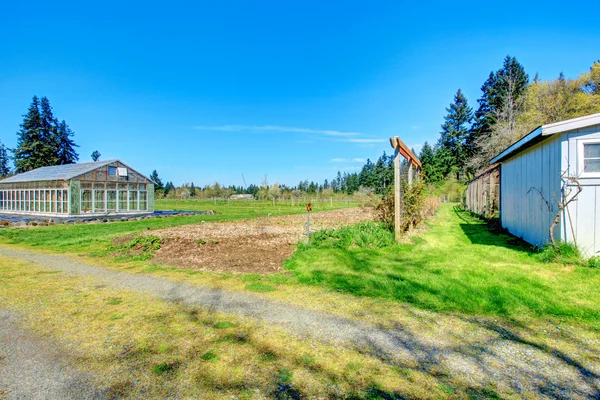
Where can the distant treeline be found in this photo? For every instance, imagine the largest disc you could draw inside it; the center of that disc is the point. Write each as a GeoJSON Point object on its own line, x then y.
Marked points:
{"type": "Point", "coordinates": [373, 178]}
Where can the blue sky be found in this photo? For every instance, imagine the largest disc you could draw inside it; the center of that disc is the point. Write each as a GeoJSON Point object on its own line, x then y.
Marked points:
{"type": "Point", "coordinates": [208, 91]}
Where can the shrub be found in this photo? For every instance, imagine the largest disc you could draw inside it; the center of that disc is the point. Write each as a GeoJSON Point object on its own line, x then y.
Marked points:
{"type": "Point", "coordinates": [430, 206]}
{"type": "Point", "coordinates": [564, 253]}
{"type": "Point", "coordinates": [594, 262]}
{"type": "Point", "coordinates": [364, 234]}
{"type": "Point", "coordinates": [450, 188]}
{"type": "Point", "coordinates": [141, 246]}
{"type": "Point", "coordinates": [415, 206]}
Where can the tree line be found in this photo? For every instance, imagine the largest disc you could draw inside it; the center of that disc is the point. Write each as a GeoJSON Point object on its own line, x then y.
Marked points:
{"type": "Point", "coordinates": [510, 106]}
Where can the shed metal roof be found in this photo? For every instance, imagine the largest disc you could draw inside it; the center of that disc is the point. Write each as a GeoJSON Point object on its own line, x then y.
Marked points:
{"type": "Point", "coordinates": [57, 172]}
{"type": "Point", "coordinates": [542, 132]}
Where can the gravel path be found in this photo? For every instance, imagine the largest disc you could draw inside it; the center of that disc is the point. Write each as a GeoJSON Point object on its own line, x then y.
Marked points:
{"type": "Point", "coordinates": [504, 359]}
{"type": "Point", "coordinates": [31, 368]}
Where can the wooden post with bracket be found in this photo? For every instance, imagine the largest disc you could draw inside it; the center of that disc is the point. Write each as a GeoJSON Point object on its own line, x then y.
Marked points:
{"type": "Point", "coordinates": [401, 150]}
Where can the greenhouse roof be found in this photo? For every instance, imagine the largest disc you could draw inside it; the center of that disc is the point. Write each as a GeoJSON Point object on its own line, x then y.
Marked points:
{"type": "Point", "coordinates": [57, 172]}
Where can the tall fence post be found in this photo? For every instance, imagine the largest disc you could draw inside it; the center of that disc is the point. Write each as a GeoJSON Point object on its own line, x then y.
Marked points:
{"type": "Point", "coordinates": [397, 195]}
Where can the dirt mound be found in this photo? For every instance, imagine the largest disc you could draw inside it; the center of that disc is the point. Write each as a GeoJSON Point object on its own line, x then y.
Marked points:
{"type": "Point", "coordinates": [253, 246]}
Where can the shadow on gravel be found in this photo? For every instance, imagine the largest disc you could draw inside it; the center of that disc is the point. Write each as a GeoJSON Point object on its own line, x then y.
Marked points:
{"type": "Point", "coordinates": [500, 362]}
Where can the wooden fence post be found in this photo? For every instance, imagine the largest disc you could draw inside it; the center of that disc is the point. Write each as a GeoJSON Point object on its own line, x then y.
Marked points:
{"type": "Point", "coordinates": [397, 196]}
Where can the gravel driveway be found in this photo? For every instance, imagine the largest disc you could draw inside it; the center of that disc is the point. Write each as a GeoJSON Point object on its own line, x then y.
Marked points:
{"type": "Point", "coordinates": [33, 368]}
{"type": "Point", "coordinates": [503, 359]}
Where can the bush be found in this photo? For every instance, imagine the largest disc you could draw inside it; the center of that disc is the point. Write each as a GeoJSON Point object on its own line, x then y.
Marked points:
{"type": "Point", "coordinates": [430, 206]}
{"type": "Point", "coordinates": [450, 188]}
{"type": "Point", "coordinates": [594, 262]}
{"type": "Point", "coordinates": [415, 206]}
{"type": "Point", "coordinates": [564, 253]}
{"type": "Point", "coordinates": [365, 234]}
{"type": "Point", "coordinates": [140, 246]}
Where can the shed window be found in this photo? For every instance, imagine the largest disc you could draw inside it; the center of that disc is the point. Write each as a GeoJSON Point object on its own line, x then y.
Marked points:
{"type": "Point", "coordinates": [112, 171]}
{"type": "Point", "coordinates": [591, 157]}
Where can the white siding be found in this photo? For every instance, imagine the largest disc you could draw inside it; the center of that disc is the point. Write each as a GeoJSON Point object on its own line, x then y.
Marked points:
{"type": "Point", "coordinates": [530, 187]}
{"type": "Point", "coordinates": [534, 175]}
{"type": "Point", "coordinates": [584, 213]}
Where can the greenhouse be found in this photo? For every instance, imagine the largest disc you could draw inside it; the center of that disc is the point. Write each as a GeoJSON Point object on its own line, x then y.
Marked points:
{"type": "Point", "coordinates": [93, 188]}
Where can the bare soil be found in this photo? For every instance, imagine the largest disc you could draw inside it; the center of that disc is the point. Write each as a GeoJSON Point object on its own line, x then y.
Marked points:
{"type": "Point", "coordinates": [252, 246]}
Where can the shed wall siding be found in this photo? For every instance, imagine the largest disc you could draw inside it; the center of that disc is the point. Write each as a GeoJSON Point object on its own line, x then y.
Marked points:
{"type": "Point", "coordinates": [582, 218]}
{"type": "Point", "coordinates": [530, 187]}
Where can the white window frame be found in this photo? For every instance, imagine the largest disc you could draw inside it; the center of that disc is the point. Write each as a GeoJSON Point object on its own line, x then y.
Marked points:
{"type": "Point", "coordinates": [580, 146]}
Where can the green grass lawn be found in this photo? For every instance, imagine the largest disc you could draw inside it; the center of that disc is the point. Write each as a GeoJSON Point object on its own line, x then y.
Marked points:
{"type": "Point", "coordinates": [88, 238]}
{"type": "Point", "coordinates": [251, 208]}
{"type": "Point", "coordinates": [457, 265]}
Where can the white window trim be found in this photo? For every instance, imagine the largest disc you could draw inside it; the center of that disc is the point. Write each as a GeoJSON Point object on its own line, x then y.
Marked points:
{"type": "Point", "coordinates": [580, 144]}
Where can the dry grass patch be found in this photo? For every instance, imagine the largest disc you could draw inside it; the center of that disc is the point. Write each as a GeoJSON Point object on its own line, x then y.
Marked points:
{"type": "Point", "coordinates": [137, 345]}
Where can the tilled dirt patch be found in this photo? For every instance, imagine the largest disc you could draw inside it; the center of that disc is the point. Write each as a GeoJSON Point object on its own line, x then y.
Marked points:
{"type": "Point", "coordinates": [253, 246]}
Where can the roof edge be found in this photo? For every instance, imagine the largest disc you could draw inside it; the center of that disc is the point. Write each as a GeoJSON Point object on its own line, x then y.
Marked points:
{"type": "Point", "coordinates": [519, 144]}
{"type": "Point", "coordinates": [570, 124]}
{"type": "Point", "coordinates": [547, 130]}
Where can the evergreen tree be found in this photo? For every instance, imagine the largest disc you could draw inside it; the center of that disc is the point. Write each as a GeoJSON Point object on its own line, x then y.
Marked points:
{"type": "Point", "coordinates": [158, 185]}
{"type": "Point", "coordinates": [4, 161]}
{"type": "Point", "coordinates": [30, 142]}
{"type": "Point", "coordinates": [455, 131]}
{"type": "Point", "coordinates": [592, 84]}
{"type": "Point", "coordinates": [500, 103]}
{"type": "Point", "coordinates": [193, 190]}
{"type": "Point", "coordinates": [367, 175]}
{"type": "Point", "coordinates": [485, 116]}
{"type": "Point", "coordinates": [431, 168]}
{"type": "Point", "coordinates": [42, 141]}
{"type": "Point", "coordinates": [48, 132]}
{"type": "Point", "coordinates": [170, 187]}
{"type": "Point", "coordinates": [66, 153]}
{"type": "Point", "coordinates": [96, 155]}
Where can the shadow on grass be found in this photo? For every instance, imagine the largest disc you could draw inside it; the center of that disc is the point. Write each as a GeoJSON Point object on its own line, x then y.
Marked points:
{"type": "Point", "coordinates": [428, 282]}
{"type": "Point", "coordinates": [479, 232]}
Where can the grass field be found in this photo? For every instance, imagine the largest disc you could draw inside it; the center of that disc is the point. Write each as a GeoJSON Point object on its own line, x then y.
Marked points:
{"type": "Point", "coordinates": [448, 282]}
{"type": "Point", "coordinates": [252, 208]}
{"type": "Point", "coordinates": [458, 265]}
{"type": "Point", "coordinates": [87, 238]}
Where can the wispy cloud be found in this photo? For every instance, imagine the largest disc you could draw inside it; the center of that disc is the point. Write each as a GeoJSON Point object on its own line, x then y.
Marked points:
{"type": "Point", "coordinates": [364, 140]}
{"type": "Point", "coordinates": [275, 128]}
{"type": "Point", "coordinates": [348, 160]}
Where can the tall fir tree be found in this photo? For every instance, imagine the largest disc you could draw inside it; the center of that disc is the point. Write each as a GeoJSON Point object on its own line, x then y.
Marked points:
{"type": "Point", "coordinates": [158, 184]}
{"type": "Point", "coordinates": [66, 153]}
{"type": "Point", "coordinates": [30, 141]}
{"type": "Point", "coordinates": [4, 161]}
{"type": "Point", "coordinates": [499, 103]}
{"type": "Point", "coordinates": [48, 126]}
{"type": "Point", "coordinates": [192, 190]}
{"type": "Point", "coordinates": [42, 141]}
{"type": "Point", "coordinates": [455, 131]}
{"type": "Point", "coordinates": [431, 167]}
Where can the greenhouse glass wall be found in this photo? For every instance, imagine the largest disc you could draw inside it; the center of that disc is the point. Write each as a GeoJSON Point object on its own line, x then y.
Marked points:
{"type": "Point", "coordinates": [95, 188]}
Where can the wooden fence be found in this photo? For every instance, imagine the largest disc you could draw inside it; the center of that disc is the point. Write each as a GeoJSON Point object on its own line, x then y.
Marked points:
{"type": "Point", "coordinates": [483, 193]}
